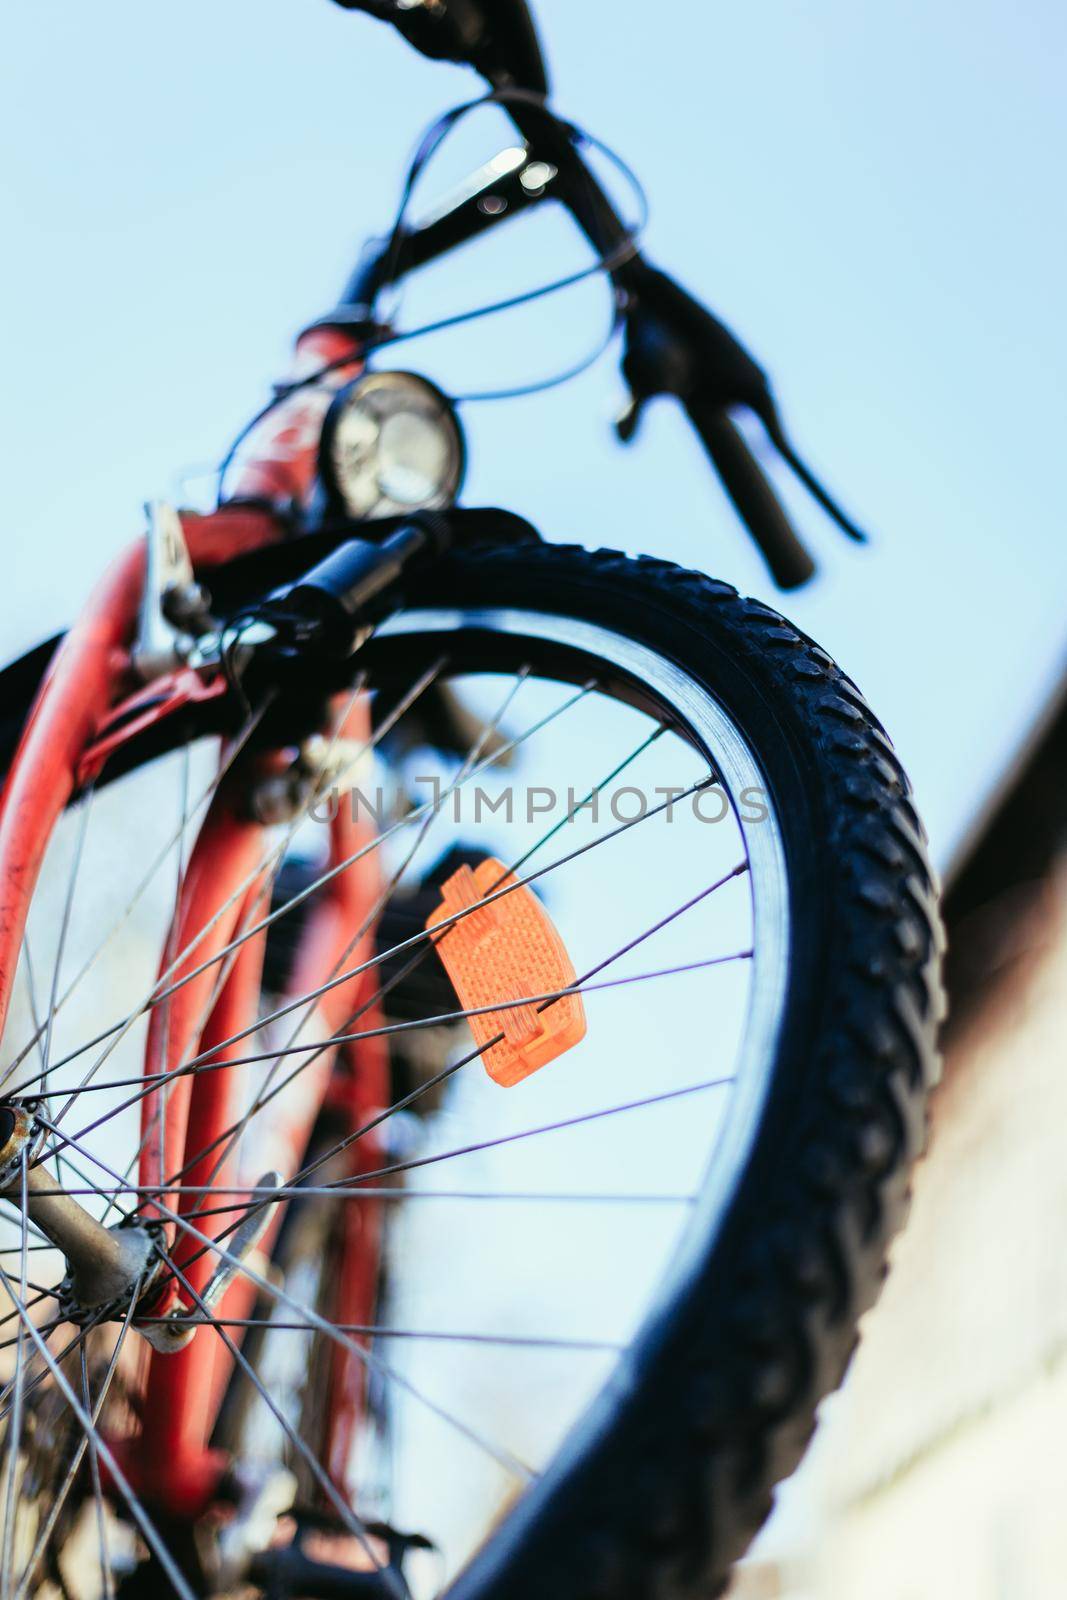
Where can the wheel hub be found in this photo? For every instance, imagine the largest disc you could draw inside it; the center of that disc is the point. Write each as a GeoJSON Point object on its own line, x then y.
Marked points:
{"type": "Point", "coordinates": [106, 1267]}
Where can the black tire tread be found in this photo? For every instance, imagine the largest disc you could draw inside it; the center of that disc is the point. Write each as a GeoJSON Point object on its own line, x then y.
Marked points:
{"type": "Point", "coordinates": [698, 1484]}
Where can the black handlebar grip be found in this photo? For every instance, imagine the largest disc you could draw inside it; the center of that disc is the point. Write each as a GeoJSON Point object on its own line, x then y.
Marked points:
{"type": "Point", "coordinates": [743, 478]}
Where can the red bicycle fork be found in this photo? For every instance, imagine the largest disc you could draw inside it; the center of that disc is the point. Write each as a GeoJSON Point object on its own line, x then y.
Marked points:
{"type": "Point", "coordinates": [76, 722]}
{"type": "Point", "coordinates": [188, 1122]}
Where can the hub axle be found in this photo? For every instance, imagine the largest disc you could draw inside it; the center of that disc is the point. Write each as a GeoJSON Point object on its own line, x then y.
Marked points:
{"type": "Point", "coordinates": [104, 1265]}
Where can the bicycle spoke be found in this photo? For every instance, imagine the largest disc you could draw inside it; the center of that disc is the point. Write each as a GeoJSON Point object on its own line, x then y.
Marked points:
{"type": "Point", "coordinates": [38, 1288]}
{"type": "Point", "coordinates": [480, 1050]}
{"type": "Point", "coordinates": [39, 1027]}
{"type": "Point", "coordinates": [340, 1190]}
{"type": "Point", "coordinates": [273, 861]}
{"type": "Point", "coordinates": [354, 1525]}
{"type": "Point", "coordinates": [422, 940]}
{"type": "Point", "coordinates": [14, 1425]}
{"type": "Point", "coordinates": [428, 808]}
{"type": "Point", "coordinates": [60, 1498]}
{"type": "Point", "coordinates": [98, 1495]}
{"type": "Point", "coordinates": [615, 772]}
{"type": "Point", "coordinates": [503, 1458]}
{"type": "Point", "coordinates": [284, 1010]}
{"type": "Point", "coordinates": [157, 1128]}
{"type": "Point", "coordinates": [382, 899]}
{"type": "Point", "coordinates": [415, 1162]}
{"type": "Point", "coordinates": [31, 997]}
{"type": "Point", "coordinates": [271, 858]}
{"type": "Point", "coordinates": [387, 1030]}
{"type": "Point", "coordinates": [117, 1030]}
{"type": "Point", "coordinates": [370, 919]}
{"type": "Point", "coordinates": [118, 1477]}
{"type": "Point", "coordinates": [269, 861]}
{"type": "Point", "coordinates": [233, 752]}
{"type": "Point", "coordinates": [322, 1325]}
{"type": "Point", "coordinates": [64, 925]}
{"type": "Point", "coordinates": [46, 1331]}
{"type": "Point", "coordinates": [373, 1330]}
{"type": "Point", "coordinates": [10, 1316]}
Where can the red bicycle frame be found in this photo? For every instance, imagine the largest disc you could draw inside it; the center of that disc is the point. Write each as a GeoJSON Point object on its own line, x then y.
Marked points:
{"type": "Point", "coordinates": [69, 734]}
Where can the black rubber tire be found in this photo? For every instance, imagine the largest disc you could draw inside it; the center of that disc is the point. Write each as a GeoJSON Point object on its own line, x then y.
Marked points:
{"type": "Point", "coordinates": [718, 1399]}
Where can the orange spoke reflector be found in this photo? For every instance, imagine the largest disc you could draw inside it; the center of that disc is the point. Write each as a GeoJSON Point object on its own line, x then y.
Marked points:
{"type": "Point", "coordinates": [500, 952]}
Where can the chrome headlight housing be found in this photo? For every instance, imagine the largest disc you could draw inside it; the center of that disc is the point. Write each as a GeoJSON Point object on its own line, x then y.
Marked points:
{"type": "Point", "coordinates": [391, 442]}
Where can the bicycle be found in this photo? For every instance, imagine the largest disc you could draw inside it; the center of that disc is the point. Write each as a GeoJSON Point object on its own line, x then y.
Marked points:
{"type": "Point", "coordinates": [236, 1355]}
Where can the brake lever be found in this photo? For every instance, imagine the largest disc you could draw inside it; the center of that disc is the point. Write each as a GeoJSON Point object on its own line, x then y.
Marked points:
{"type": "Point", "coordinates": [676, 346]}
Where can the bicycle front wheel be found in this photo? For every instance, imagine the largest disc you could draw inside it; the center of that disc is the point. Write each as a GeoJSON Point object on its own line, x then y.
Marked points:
{"type": "Point", "coordinates": [664, 1482]}
{"type": "Point", "coordinates": [611, 1281]}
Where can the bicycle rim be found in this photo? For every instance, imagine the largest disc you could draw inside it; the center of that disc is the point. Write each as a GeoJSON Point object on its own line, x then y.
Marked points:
{"type": "Point", "coordinates": [500, 658]}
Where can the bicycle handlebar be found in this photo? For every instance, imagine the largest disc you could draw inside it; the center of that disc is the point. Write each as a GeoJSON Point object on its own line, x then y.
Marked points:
{"type": "Point", "coordinates": [673, 344]}
{"type": "Point", "coordinates": [495, 37]}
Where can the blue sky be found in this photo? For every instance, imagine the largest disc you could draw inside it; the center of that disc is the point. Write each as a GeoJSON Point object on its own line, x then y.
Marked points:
{"type": "Point", "coordinates": [871, 195]}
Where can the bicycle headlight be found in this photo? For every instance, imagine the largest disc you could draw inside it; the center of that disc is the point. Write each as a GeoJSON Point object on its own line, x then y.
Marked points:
{"type": "Point", "coordinates": [391, 443]}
